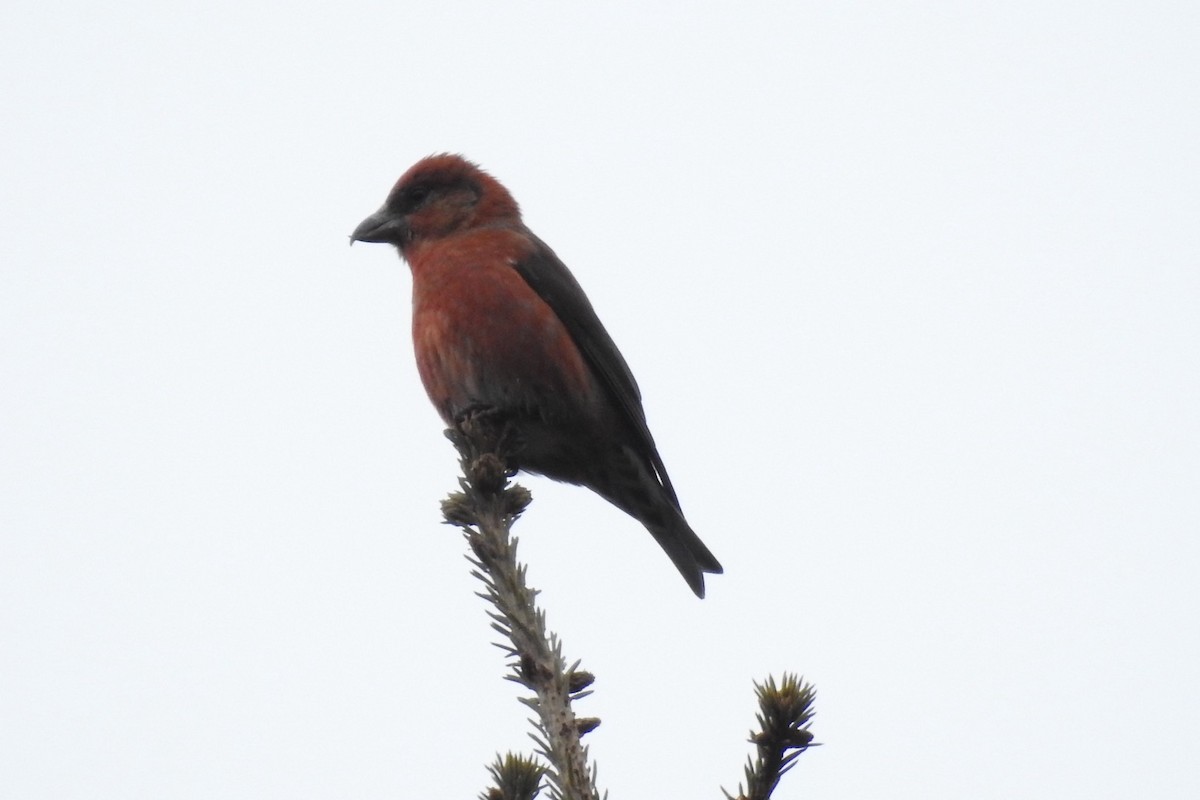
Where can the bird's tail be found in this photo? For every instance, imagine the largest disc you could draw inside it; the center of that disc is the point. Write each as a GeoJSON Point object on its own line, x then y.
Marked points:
{"type": "Point", "coordinates": [689, 555]}
{"type": "Point", "coordinates": [638, 492]}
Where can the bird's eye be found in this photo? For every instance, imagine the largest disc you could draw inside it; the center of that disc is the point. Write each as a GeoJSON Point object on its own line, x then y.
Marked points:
{"type": "Point", "coordinates": [417, 195]}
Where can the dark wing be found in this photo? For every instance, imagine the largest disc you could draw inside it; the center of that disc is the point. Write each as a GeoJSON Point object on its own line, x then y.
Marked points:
{"type": "Point", "coordinates": [554, 283]}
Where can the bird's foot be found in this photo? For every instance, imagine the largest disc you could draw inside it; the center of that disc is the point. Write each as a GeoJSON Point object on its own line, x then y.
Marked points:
{"type": "Point", "coordinates": [485, 429]}
{"type": "Point", "coordinates": [479, 414]}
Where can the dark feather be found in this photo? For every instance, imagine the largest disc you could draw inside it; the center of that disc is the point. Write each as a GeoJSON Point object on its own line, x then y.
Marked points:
{"type": "Point", "coordinates": [554, 283]}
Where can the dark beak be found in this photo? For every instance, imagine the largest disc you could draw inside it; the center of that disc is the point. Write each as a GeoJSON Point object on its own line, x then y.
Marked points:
{"type": "Point", "coordinates": [382, 226]}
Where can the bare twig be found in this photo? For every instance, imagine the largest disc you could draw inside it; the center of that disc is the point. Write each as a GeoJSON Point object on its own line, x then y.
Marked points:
{"type": "Point", "coordinates": [485, 509]}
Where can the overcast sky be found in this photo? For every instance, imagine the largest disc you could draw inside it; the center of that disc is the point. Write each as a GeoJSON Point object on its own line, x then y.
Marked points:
{"type": "Point", "coordinates": [912, 292]}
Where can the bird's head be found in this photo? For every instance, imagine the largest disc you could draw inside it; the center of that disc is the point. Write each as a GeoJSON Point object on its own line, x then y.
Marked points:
{"type": "Point", "coordinates": [439, 196]}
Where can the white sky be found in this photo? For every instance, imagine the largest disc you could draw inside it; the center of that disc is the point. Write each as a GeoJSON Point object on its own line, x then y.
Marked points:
{"type": "Point", "coordinates": [911, 291]}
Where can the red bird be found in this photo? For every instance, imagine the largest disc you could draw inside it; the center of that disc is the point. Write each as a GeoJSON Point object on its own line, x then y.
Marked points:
{"type": "Point", "coordinates": [499, 322]}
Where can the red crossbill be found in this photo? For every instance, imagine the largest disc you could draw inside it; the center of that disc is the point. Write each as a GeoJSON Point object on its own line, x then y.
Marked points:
{"type": "Point", "coordinates": [500, 323]}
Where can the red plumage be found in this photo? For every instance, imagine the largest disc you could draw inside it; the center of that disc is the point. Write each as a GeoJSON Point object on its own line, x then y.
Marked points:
{"type": "Point", "coordinates": [499, 322]}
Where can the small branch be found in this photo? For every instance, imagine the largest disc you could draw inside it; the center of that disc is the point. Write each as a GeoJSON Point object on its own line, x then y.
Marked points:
{"type": "Point", "coordinates": [785, 712]}
{"type": "Point", "coordinates": [516, 778]}
{"type": "Point", "coordinates": [485, 509]}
